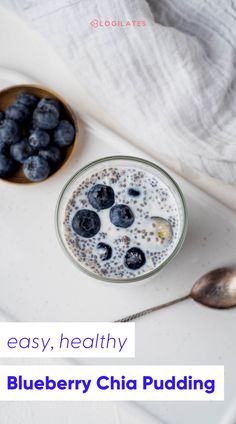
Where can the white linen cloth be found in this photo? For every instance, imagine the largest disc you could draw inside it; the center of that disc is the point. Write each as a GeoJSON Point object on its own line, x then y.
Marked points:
{"type": "Point", "coordinates": [171, 83]}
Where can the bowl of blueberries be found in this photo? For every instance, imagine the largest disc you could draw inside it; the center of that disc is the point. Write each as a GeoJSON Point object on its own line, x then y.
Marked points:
{"type": "Point", "coordinates": [38, 131]}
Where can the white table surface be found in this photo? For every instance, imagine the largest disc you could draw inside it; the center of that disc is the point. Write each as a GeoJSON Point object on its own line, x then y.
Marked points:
{"type": "Point", "coordinates": [26, 52]}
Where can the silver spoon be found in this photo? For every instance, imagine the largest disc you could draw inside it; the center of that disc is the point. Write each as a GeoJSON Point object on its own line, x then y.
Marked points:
{"type": "Point", "coordinates": [216, 289]}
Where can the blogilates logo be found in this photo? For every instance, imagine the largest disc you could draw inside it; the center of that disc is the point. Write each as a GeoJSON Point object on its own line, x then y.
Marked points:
{"type": "Point", "coordinates": [96, 23]}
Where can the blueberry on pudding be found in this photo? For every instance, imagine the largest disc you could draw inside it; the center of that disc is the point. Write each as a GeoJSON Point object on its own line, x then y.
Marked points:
{"type": "Point", "coordinates": [86, 223]}
{"type": "Point", "coordinates": [121, 216]}
{"type": "Point", "coordinates": [101, 196]}
{"type": "Point", "coordinates": [134, 258]}
{"type": "Point", "coordinates": [133, 192]}
{"type": "Point", "coordinates": [105, 251]}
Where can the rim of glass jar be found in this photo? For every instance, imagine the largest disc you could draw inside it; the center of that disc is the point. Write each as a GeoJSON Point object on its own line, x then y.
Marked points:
{"type": "Point", "coordinates": [140, 277]}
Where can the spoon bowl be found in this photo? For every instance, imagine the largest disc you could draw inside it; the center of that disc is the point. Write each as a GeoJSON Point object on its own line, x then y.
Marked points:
{"type": "Point", "coordinates": [216, 289]}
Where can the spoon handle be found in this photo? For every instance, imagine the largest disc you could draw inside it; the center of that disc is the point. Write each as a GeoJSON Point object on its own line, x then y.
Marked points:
{"type": "Point", "coordinates": [153, 309]}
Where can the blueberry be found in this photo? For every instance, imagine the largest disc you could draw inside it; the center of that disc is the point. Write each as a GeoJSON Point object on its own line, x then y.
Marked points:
{"type": "Point", "coordinates": [134, 258]}
{"type": "Point", "coordinates": [86, 223]}
{"type": "Point", "coordinates": [106, 251]}
{"type": "Point", "coordinates": [3, 148]}
{"type": "Point", "coordinates": [101, 196]}
{"type": "Point", "coordinates": [7, 166]}
{"type": "Point", "coordinates": [2, 116]}
{"type": "Point", "coordinates": [133, 192]}
{"type": "Point", "coordinates": [121, 216]}
{"type": "Point", "coordinates": [17, 112]}
{"type": "Point", "coordinates": [21, 151]}
{"type": "Point", "coordinates": [36, 168]}
{"type": "Point", "coordinates": [64, 134]}
{"type": "Point", "coordinates": [50, 101]}
{"type": "Point", "coordinates": [46, 116]}
{"type": "Point", "coordinates": [39, 139]}
{"type": "Point", "coordinates": [52, 154]}
{"type": "Point", "coordinates": [27, 99]}
{"type": "Point", "coordinates": [9, 131]}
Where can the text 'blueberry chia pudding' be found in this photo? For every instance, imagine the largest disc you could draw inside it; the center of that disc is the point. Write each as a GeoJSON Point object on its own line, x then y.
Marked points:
{"type": "Point", "coordinates": [123, 219]}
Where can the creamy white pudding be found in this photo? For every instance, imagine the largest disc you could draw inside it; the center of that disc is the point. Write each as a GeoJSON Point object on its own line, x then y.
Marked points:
{"type": "Point", "coordinates": [123, 221]}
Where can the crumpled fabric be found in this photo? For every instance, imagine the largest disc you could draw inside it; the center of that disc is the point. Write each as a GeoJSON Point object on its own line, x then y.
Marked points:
{"type": "Point", "coordinates": [171, 83]}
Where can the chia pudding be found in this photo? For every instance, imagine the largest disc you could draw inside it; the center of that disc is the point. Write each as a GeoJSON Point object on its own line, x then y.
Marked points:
{"type": "Point", "coordinates": [122, 219]}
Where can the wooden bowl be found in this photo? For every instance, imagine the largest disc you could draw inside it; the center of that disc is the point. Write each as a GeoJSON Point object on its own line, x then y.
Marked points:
{"type": "Point", "coordinates": [8, 96]}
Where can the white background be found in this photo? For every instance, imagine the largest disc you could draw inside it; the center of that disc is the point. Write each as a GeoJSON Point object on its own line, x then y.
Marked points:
{"type": "Point", "coordinates": [39, 283]}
